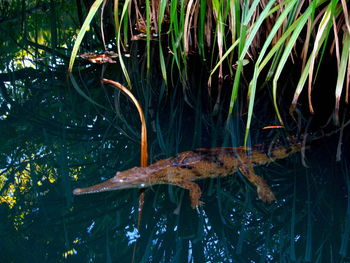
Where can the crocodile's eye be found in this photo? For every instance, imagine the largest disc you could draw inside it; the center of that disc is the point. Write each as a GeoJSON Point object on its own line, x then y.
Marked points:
{"type": "Point", "coordinates": [137, 169]}
{"type": "Point", "coordinates": [120, 177]}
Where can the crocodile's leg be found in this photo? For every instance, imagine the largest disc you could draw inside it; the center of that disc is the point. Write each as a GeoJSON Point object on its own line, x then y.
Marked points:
{"type": "Point", "coordinates": [263, 189]}
{"type": "Point", "coordinates": [195, 191]}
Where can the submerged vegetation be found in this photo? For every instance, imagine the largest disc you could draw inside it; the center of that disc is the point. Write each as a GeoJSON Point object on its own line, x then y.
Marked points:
{"type": "Point", "coordinates": [235, 38]}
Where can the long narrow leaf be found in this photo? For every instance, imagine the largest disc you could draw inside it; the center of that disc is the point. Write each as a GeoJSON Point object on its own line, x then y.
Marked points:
{"type": "Point", "coordinates": [115, 13]}
{"type": "Point", "coordinates": [144, 151]}
{"type": "Point", "coordinates": [306, 71]}
{"type": "Point", "coordinates": [120, 56]}
{"type": "Point", "coordinates": [253, 83]}
{"type": "Point", "coordinates": [324, 24]}
{"type": "Point", "coordinates": [299, 26]}
{"type": "Point", "coordinates": [232, 47]}
{"type": "Point", "coordinates": [342, 70]}
{"type": "Point", "coordinates": [162, 7]}
{"type": "Point", "coordinates": [148, 34]}
{"type": "Point", "coordinates": [244, 51]}
{"type": "Point", "coordinates": [82, 32]}
{"type": "Point", "coordinates": [201, 28]}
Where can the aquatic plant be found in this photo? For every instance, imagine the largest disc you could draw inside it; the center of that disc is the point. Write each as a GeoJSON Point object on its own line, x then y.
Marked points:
{"type": "Point", "coordinates": [269, 35]}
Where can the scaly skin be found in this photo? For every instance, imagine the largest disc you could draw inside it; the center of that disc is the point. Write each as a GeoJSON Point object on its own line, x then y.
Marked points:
{"type": "Point", "coordinates": [186, 167]}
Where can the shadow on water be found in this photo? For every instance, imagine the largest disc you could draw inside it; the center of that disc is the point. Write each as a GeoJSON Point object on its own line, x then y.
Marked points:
{"type": "Point", "coordinates": [56, 137]}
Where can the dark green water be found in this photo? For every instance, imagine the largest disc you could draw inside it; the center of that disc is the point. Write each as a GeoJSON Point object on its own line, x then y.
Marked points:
{"type": "Point", "coordinates": [56, 137]}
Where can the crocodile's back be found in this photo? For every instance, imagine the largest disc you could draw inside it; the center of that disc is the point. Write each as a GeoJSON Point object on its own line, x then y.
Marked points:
{"type": "Point", "coordinates": [199, 164]}
{"type": "Point", "coordinates": [215, 162]}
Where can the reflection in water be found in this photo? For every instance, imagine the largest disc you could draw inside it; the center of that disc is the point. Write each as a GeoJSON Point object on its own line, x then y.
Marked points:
{"type": "Point", "coordinates": [56, 137]}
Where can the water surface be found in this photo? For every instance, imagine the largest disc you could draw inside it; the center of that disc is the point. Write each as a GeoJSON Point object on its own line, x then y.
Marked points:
{"type": "Point", "coordinates": [56, 137]}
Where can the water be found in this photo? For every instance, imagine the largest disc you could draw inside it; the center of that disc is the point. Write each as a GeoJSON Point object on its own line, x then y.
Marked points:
{"type": "Point", "coordinates": [56, 137]}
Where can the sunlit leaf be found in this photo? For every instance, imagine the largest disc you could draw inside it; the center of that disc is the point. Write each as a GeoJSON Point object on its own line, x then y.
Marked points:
{"type": "Point", "coordinates": [82, 32]}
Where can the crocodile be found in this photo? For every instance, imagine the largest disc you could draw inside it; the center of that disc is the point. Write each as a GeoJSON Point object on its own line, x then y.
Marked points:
{"type": "Point", "coordinates": [184, 168]}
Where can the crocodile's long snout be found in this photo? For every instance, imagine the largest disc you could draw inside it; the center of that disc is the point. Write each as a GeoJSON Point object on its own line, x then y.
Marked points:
{"type": "Point", "coordinates": [132, 178]}
{"type": "Point", "coordinates": [108, 185]}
